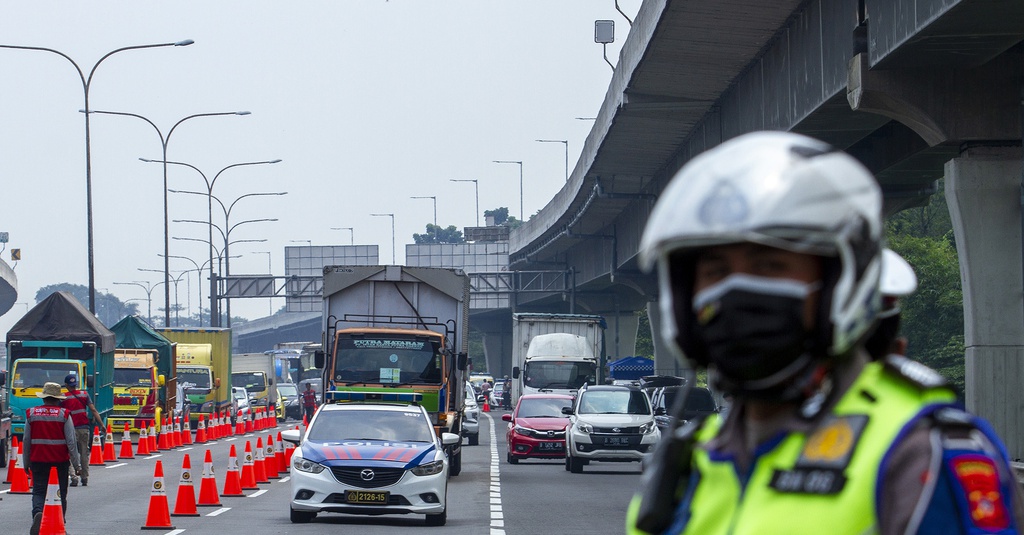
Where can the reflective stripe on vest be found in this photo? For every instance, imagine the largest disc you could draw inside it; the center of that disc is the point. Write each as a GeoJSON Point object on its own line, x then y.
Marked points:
{"type": "Point", "coordinates": [721, 503]}
{"type": "Point", "coordinates": [48, 444]}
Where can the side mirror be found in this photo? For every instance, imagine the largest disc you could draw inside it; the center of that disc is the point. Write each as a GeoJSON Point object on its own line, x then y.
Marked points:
{"type": "Point", "coordinates": [318, 359]}
{"type": "Point", "coordinates": [292, 435]}
{"type": "Point", "coordinates": [448, 439]}
{"type": "Point", "coordinates": [567, 411]}
{"type": "Point", "coordinates": [90, 381]}
{"type": "Point", "coordinates": [506, 417]}
{"type": "Point", "coordinates": [660, 411]}
{"type": "Point", "coordinates": [161, 380]}
{"type": "Point", "coordinates": [515, 372]}
{"type": "Point", "coordinates": [462, 361]}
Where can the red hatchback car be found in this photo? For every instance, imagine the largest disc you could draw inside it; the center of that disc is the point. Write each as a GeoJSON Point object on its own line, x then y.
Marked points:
{"type": "Point", "coordinates": [536, 428]}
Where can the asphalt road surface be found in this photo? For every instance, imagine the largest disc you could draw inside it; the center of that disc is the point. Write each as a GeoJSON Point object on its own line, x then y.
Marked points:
{"type": "Point", "coordinates": [489, 496]}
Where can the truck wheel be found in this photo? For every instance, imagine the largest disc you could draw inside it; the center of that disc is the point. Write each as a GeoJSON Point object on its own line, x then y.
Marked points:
{"type": "Point", "coordinates": [3, 453]}
{"type": "Point", "coordinates": [456, 464]}
{"type": "Point", "coordinates": [474, 439]}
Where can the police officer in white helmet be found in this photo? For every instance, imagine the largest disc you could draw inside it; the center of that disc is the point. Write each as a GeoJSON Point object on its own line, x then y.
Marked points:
{"type": "Point", "coordinates": [768, 255]}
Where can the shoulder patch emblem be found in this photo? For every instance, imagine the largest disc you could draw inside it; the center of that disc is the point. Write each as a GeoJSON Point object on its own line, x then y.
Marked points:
{"type": "Point", "coordinates": [979, 479]}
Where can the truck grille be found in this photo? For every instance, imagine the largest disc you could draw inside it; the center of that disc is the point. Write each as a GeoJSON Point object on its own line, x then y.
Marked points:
{"type": "Point", "coordinates": [617, 430]}
{"type": "Point", "coordinates": [352, 475]}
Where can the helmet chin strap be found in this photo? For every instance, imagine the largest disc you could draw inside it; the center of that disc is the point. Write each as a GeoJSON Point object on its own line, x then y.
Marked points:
{"type": "Point", "coordinates": [806, 381]}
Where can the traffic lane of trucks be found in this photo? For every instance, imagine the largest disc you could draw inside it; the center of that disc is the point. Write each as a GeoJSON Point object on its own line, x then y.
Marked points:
{"type": "Point", "coordinates": [118, 496]}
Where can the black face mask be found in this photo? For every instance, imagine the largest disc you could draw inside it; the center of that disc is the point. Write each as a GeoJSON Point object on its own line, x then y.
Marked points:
{"type": "Point", "coordinates": [753, 329]}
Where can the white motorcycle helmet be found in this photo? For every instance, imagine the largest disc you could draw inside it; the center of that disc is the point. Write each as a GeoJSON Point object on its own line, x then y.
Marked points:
{"type": "Point", "coordinates": [782, 190]}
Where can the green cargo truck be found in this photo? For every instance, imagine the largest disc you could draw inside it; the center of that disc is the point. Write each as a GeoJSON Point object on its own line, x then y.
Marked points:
{"type": "Point", "coordinates": [56, 338]}
{"type": "Point", "coordinates": [203, 358]}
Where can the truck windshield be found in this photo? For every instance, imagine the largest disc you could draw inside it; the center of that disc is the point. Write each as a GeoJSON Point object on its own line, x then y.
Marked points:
{"type": "Point", "coordinates": [559, 374]}
{"type": "Point", "coordinates": [249, 380]}
{"type": "Point", "coordinates": [132, 377]}
{"type": "Point", "coordinates": [201, 379]}
{"type": "Point", "coordinates": [388, 359]}
{"type": "Point", "coordinates": [33, 374]}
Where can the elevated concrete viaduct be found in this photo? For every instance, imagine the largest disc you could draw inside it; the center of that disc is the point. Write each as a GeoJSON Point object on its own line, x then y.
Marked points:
{"type": "Point", "coordinates": [916, 89]}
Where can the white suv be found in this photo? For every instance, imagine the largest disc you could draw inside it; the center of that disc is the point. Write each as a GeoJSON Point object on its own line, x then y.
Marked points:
{"type": "Point", "coordinates": [609, 423]}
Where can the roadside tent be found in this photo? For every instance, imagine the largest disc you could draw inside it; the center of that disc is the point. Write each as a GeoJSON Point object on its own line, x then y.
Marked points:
{"type": "Point", "coordinates": [631, 368]}
{"type": "Point", "coordinates": [134, 333]}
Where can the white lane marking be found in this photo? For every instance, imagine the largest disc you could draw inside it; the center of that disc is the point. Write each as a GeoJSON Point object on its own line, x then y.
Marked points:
{"type": "Point", "coordinates": [284, 479]}
{"type": "Point", "coordinates": [118, 465]}
{"type": "Point", "coordinates": [257, 493]}
{"type": "Point", "coordinates": [5, 491]}
{"type": "Point", "coordinates": [497, 516]}
{"type": "Point", "coordinates": [216, 512]}
{"type": "Point", "coordinates": [230, 439]}
{"type": "Point", "coordinates": [185, 449]}
{"type": "Point", "coordinates": [175, 532]}
{"type": "Point", "coordinates": [154, 456]}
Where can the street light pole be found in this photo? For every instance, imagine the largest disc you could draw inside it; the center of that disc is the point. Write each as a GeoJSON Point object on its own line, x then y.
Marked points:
{"type": "Point", "coordinates": [214, 313]}
{"type": "Point", "coordinates": [149, 296]}
{"type": "Point", "coordinates": [164, 140]}
{"type": "Point", "coordinates": [270, 271]}
{"type": "Point", "coordinates": [392, 216]}
{"type": "Point", "coordinates": [476, 188]}
{"type": "Point", "coordinates": [434, 198]}
{"type": "Point", "coordinates": [199, 283]}
{"type": "Point", "coordinates": [352, 234]}
{"type": "Point", "coordinates": [86, 84]}
{"type": "Point", "coordinates": [566, 143]}
{"type": "Point", "coordinates": [520, 184]}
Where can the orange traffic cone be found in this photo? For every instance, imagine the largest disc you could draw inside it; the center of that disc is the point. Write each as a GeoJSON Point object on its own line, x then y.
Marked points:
{"type": "Point", "coordinates": [282, 463]}
{"type": "Point", "coordinates": [109, 456]}
{"type": "Point", "coordinates": [259, 465]}
{"type": "Point", "coordinates": [240, 424]}
{"type": "Point", "coordinates": [200, 431]}
{"type": "Point", "coordinates": [185, 502]}
{"type": "Point", "coordinates": [53, 511]}
{"type": "Point", "coordinates": [20, 479]}
{"type": "Point", "coordinates": [165, 435]}
{"type": "Point", "coordinates": [186, 432]}
{"type": "Point", "coordinates": [143, 439]}
{"type": "Point", "coordinates": [126, 443]}
{"type": "Point", "coordinates": [487, 405]}
{"type": "Point", "coordinates": [208, 496]}
{"type": "Point", "coordinates": [248, 477]}
{"type": "Point", "coordinates": [151, 444]}
{"type": "Point", "coordinates": [232, 481]}
{"type": "Point", "coordinates": [12, 459]}
{"type": "Point", "coordinates": [159, 516]}
{"type": "Point", "coordinates": [269, 459]}
{"type": "Point", "coordinates": [176, 440]}
{"type": "Point", "coordinates": [305, 422]}
{"type": "Point", "coordinates": [96, 454]}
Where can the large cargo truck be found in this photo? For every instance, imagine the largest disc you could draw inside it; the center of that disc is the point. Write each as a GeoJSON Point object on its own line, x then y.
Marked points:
{"type": "Point", "coordinates": [256, 373]}
{"type": "Point", "coordinates": [203, 359]}
{"type": "Point", "coordinates": [57, 338]}
{"type": "Point", "coordinates": [555, 352]}
{"type": "Point", "coordinates": [145, 381]}
{"type": "Point", "coordinates": [399, 329]}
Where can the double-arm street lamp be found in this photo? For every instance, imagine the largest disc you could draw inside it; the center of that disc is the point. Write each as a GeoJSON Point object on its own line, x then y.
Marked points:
{"type": "Point", "coordinates": [188, 293]}
{"type": "Point", "coordinates": [520, 184]}
{"type": "Point", "coordinates": [476, 188]}
{"type": "Point", "coordinates": [164, 140]}
{"type": "Point", "coordinates": [566, 143]}
{"type": "Point", "coordinates": [222, 259]}
{"type": "Point", "coordinates": [145, 285]}
{"type": "Point", "coordinates": [214, 314]}
{"type": "Point", "coordinates": [392, 216]}
{"type": "Point", "coordinates": [86, 84]}
{"type": "Point", "coordinates": [199, 273]}
{"type": "Point", "coordinates": [433, 198]}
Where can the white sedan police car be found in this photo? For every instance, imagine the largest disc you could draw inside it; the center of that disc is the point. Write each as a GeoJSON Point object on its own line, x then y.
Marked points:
{"type": "Point", "coordinates": [370, 454]}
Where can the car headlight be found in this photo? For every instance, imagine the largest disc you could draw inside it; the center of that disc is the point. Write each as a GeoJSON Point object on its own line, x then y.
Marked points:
{"type": "Point", "coordinates": [648, 428]}
{"type": "Point", "coordinates": [428, 469]}
{"type": "Point", "coordinates": [525, 431]}
{"type": "Point", "coordinates": [584, 427]}
{"type": "Point", "coordinates": [305, 465]}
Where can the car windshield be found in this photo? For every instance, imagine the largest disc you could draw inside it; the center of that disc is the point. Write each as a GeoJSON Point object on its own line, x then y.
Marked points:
{"type": "Point", "coordinates": [288, 390]}
{"type": "Point", "coordinates": [614, 402]}
{"type": "Point", "coordinates": [132, 377]}
{"type": "Point", "coordinates": [541, 407]}
{"type": "Point", "coordinates": [249, 380]}
{"type": "Point", "coordinates": [201, 379]}
{"type": "Point", "coordinates": [358, 424]}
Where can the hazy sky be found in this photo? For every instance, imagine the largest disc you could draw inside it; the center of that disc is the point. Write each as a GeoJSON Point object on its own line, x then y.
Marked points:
{"type": "Point", "coordinates": [367, 103]}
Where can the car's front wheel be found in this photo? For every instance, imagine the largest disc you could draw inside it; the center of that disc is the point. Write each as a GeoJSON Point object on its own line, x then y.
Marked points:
{"type": "Point", "coordinates": [511, 458]}
{"type": "Point", "coordinates": [474, 439]}
{"type": "Point", "coordinates": [302, 517]}
{"type": "Point", "coordinates": [575, 465]}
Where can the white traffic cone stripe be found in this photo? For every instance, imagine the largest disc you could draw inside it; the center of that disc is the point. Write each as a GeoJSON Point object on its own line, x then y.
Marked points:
{"type": "Point", "coordinates": [158, 486]}
{"type": "Point", "coordinates": [207, 470]}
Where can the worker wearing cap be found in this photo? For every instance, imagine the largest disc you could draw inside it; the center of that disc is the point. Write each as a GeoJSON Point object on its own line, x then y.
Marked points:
{"type": "Point", "coordinates": [768, 250]}
{"type": "Point", "coordinates": [49, 442]}
{"type": "Point", "coordinates": [80, 405]}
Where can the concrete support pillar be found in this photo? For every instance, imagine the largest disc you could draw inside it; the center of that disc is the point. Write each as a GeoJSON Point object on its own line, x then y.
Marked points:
{"type": "Point", "coordinates": [983, 192]}
{"type": "Point", "coordinates": [620, 337]}
{"type": "Point", "coordinates": [498, 353]}
{"type": "Point", "coordinates": [664, 362]}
